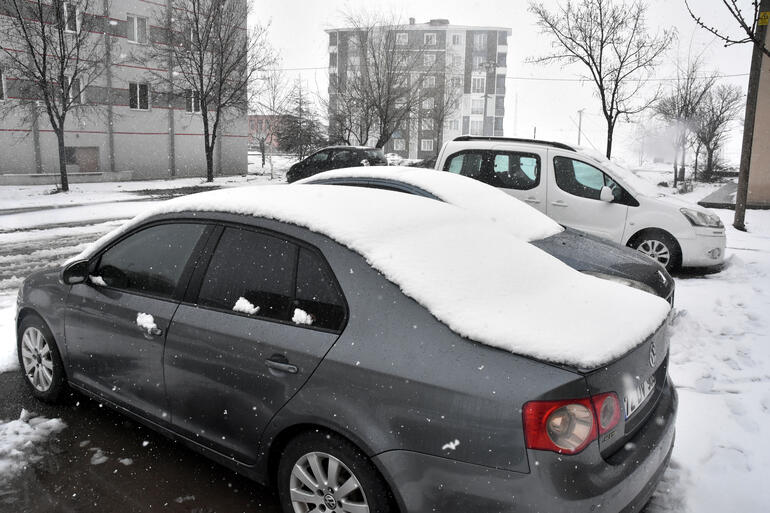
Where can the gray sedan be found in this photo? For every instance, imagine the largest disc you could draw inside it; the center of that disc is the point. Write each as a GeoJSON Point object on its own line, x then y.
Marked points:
{"type": "Point", "coordinates": [280, 352]}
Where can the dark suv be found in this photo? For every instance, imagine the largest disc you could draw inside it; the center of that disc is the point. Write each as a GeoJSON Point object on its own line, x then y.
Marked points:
{"type": "Point", "coordinates": [336, 157]}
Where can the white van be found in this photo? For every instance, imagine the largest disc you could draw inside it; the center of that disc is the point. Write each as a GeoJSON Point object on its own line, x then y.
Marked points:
{"type": "Point", "coordinates": [591, 194]}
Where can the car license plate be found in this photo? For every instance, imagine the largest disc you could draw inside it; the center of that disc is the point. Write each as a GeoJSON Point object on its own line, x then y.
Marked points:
{"type": "Point", "coordinates": [636, 396]}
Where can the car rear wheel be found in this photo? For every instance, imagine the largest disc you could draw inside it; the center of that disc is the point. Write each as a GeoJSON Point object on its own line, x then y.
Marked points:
{"type": "Point", "coordinates": [659, 246]}
{"type": "Point", "coordinates": [40, 360]}
{"type": "Point", "coordinates": [324, 473]}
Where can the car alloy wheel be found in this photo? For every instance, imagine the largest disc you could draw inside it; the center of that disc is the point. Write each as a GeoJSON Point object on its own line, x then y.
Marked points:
{"type": "Point", "coordinates": [320, 482]}
{"type": "Point", "coordinates": [657, 250]}
{"type": "Point", "coordinates": [37, 359]}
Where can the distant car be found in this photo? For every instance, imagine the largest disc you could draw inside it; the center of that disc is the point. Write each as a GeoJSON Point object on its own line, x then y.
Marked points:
{"type": "Point", "coordinates": [579, 250]}
{"type": "Point", "coordinates": [429, 163]}
{"type": "Point", "coordinates": [580, 189]}
{"type": "Point", "coordinates": [336, 157]}
{"type": "Point", "coordinates": [406, 358]}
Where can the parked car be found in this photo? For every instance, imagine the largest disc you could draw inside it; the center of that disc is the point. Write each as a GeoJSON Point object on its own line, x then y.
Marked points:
{"type": "Point", "coordinates": [579, 250]}
{"type": "Point", "coordinates": [336, 157]}
{"type": "Point", "coordinates": [407, 358]}
{"type": "Point", "coordinates": [591, 194]}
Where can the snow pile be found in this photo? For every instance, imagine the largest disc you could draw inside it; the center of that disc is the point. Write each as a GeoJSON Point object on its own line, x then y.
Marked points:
{"type": "Point", "coordinates": [487, 285]}
{"type": "Point", "coordinates": [301, 317]}
{"type": "Point", "coordinates": [243, 305]}
{"type": "Point", "coordinates": [145, 321]}
{"type": "Point", "coordinates": [97, 280]}
{"type": "Point", "coordinates": [20, 440]}
{"type": "Point", "coordinates": [484, 200]}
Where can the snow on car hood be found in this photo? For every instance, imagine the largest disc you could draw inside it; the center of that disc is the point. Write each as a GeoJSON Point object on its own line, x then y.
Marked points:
{"type": "Point", "coordinates": [516, 216]}
{"type": "Point", "coordinates": [481, 281]}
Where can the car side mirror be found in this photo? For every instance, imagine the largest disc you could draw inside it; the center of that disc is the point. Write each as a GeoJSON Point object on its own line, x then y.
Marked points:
{"type": "Point", "coordinates": [606, 195]}
{"type": "Point", "coordinates": [75, 272]}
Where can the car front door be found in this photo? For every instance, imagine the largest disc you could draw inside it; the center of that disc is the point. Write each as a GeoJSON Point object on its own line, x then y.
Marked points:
{"type": "Point", "coordinates": [266, 312]}
{"type": "Point", "coordinates": [116, 323]}
{"type": "Point", "coordinates": [574, 198]}
{"type": "Point", "coordinates": [317, 163]}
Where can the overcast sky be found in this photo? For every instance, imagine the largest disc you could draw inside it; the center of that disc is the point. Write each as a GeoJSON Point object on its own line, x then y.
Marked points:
{"type": "Point", "coordinates": [297, 31]}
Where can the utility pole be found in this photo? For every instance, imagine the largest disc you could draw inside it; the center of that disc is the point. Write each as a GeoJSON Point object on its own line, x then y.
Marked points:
{"type": "Point", "coordinates": [751, 112]}
{"type": "Point", "coordinates": [490, 67]}
{"type": "Point", "coordinates": [534, 135]}
{"type": "Point", "coordinates": [580, 124]}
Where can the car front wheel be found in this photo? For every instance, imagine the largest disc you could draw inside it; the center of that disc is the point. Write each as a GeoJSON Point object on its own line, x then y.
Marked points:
{"type": "Point", "coordinates": [40, 360]}
{"type": "Point", "coordinates": [322, 472]}
{"type": "Point", "coordinates": [661, 247]}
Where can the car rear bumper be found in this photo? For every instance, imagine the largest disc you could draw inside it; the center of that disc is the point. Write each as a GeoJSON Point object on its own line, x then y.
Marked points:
{"type": "Point", "coordinates": [586, 482]}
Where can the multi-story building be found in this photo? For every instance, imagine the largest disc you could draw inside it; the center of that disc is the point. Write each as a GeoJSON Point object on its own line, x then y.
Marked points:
{"type": "Point", "coordinates": [471, 72]}
{"type": "Point", "coordinates": [135, 130]}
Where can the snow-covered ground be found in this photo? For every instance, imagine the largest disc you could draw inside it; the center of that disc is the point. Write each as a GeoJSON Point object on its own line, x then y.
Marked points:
{"type": "Point", "coordinates": [720, 350]}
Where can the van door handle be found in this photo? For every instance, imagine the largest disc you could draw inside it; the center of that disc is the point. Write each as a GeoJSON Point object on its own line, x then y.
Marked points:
{"type": "Point", "coordinates": [559, 203]}
{"type": "Point", "coordinates": [281, 366]}
{"type": "Point", "coordinates": [532, 200]}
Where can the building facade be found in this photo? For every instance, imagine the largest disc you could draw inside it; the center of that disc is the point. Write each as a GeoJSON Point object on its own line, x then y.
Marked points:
{"type": "Point", "coordinates": [471, 72]}
{"type": "Point", "coordinates": [759, 177]}
{"type": "Point", "coordinates": [133, 129]}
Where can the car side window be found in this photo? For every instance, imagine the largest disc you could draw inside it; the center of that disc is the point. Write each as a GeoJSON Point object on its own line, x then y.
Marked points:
{"type": "Point", "coordinates": [150, 261]}
{"type": "Point", "coordinates": [317, 291]}
{"type": "Point", "coordinates": [343, 156]}
{"type": "Point", "coordinates": [466, 163]}
{"type": "Point", "coordinates": [251, 273]}
{"type": "Point", "coordinates": [515, 170]}
{"type": "Point", "coordinates": [581, 179]}
{"type": "Point", "coordinates": [321, 156]}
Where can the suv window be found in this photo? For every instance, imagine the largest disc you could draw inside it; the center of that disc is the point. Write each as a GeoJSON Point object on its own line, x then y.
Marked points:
{"type": "Point", "coordinates": [498, 168]}
{"type": "Point", "coordinates": [584, 180]}
{"type": "Point", "coordinates": [150, 261]}
{"type": "Point", "coordinates": [321, 156]}
{"type": "Point", "coordinates": [342, 156]}
{"type": "Point", "coordinates": [317, 292]}
{"type": "Point", "coordinates": [251, 273]}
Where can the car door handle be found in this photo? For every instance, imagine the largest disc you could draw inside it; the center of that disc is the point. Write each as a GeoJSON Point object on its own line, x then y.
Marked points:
{"type": "Point", "coordinates": [559, 204]}
{"type": "Point", "coordinates": [532, 200]}
{"type": "Point", "coordinates": [281, 366]}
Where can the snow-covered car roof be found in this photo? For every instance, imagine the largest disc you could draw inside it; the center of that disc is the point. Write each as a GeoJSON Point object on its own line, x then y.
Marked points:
{"type": "Point", "coordinates": [516, 216]}
{"type": "Point", "coordinates": [478, 279]}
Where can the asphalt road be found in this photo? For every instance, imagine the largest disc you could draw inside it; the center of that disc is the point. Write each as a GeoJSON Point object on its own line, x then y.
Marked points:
{"type": "Point", "coordinates": [163, 475]}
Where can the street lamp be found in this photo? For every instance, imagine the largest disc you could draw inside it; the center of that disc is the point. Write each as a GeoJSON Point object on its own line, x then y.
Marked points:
{"type": "Point", "coordinates": [489, 66]}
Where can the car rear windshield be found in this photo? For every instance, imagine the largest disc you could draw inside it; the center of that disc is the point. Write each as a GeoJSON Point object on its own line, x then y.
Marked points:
{"type": "Point", "coordinates": [377, 155]}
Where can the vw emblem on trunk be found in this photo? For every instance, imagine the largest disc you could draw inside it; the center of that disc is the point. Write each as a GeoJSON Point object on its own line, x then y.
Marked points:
{"type": "Point", "coordinates": [652, 354]}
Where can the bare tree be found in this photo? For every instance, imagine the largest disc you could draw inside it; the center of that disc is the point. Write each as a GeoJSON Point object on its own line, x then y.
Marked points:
{"type": "Point", "coordinates": [54, 50]}
{"type": "Point", "coordinates": [271, 103]}
{"type": "Point", "coordinates": [611, 39]}
{"type": "Point", "coordinates": [351, 120]}
{"type": "Point", "coordinates": [447, 102]}
{"type": "Point", "coordinates": [747, 25]}
{"type": "Point", "coordinates": [720, 107]}
{"type": "Point", "coordinates": [384, 79]}
{"type": "Point", "coordinates": [679, 106]}
{"type": "Point", "coordinates": [213, 57]}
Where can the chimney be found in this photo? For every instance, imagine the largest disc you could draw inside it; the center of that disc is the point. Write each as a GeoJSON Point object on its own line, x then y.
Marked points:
{"type": "Point", "coordinates": [411, 21]}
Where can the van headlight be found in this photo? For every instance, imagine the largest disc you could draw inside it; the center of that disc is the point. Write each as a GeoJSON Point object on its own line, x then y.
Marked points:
{"type": "Point", "coordinates": [697, 218]}
{"type": "Point", "coordinates": [634, 284]}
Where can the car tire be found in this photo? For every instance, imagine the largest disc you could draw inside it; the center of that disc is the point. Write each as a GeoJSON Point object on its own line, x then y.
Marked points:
{"type": "Point", "coordinates": [357, 481]}
{"type": "Point", "coordinates": [40, 360]}
{"type": "Point", "coordinates": [660, 246]}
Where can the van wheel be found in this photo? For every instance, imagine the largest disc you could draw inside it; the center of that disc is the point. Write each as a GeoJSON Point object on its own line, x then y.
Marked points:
{"type": "Point", "coordinates": [660, 246]}
{"type": "Point", "coordinates": [322, 472]}
{"type": "Point", "coordinates": [40, 360]}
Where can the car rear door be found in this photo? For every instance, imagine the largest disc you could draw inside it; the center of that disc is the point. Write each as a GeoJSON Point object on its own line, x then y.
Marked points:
{"type": "Point", "coordinates": [116, 324]}
{"type": "Point", "coordinates": [574, 188]}
{"type": "Point", "coordinates": [264, 312]}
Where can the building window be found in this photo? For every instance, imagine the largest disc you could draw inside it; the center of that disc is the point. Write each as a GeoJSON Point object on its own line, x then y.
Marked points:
{"type": "Point", "coordinates": [502, 38]}
{"type": "Point", "coordinates": [192, 101]}
{"type": "Point", "coordinates": [500, 85]}
{"type": "Point", "coordinates": [2, 85]}
{"type": "Point", "coordinates": [477, 106]}
{"type": "Point", "coordinates": [477, 61]}
{"type": "Point", "coordinates": [429, 81]}
{"type": "Point", "coordinates": [333, 60]}
{"type": "Point", "coordinates": [426, 144]}
{"type": "Point", "coordinates": [402, 38]}
{"type": "Point", "coordinates": [74, 90]}
{"type": "Point", "coordinates": [138, 96]}
{"type": "Point", "coordinates": [501, 58]}
{"type": "Point", "coordinates": [429, 59]}
{"type": "Point", "coordinates": [398, 145]}
{"type": "Point", "coordinates": [137, 29]}
{"type": "Point", "coordinates": [457, 61]}
{"type": "Point", "coordinates": [430, 39]}
{"type": "Point", "coordinates": [477, 127]}
{"type": "Point", "coordinates": [456, 82]}
{"type": "Point", "coordinates": [457, 39]}
{"type": "Point", "coordinates": [478, 84]}
{"type": "Point", "coordinates": [498, 124]}
{"type": "Point", "coordinates": [480, 42]}
{"type": "Point", "coordinates": [452, 124]}
{"type": "Point", "coordinates": [427, 124]}
{"type": "Point", "coordinates": [427, 103]}
{"type": "Point", "coordinates": [70, 17]}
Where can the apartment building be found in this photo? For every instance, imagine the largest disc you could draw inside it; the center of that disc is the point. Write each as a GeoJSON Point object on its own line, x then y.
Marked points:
{"type": "Point", "coordinates": [135, 130]}
{"type": "Point", "coordinates": [471, 72]}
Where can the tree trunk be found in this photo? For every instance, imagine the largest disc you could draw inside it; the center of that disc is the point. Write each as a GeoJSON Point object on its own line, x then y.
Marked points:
{"type": "Point", "coordinates": [709, 173]}
{"type": "Point", "coordinates": [695, 165]}
{"type": "Point", "coordinates": [210, 162]}
{"type": "Point", "coordinates": [682, 163]}
{"type": "Point", "coordinates": [610, 129]}
{"type": "Point", "coordinates": [676, 164]}
{"type": "Point", "coordinates": [262, 146]}
{"type": "Point", "coordinates": [65, 186]}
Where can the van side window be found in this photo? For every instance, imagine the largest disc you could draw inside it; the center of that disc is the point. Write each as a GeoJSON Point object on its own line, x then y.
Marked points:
{"type": "Point", "coordinates": [584, 180]}
{"type": "Point", "coordinates": [515, 170]}
{"type": "Point", "coordinates": [466, 163]}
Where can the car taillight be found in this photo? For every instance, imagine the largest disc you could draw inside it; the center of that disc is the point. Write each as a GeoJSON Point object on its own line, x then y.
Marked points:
{"type": "Point", "coordinates": [607, 409]}
{"type": "Point", "coordinates": [559, 426]}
